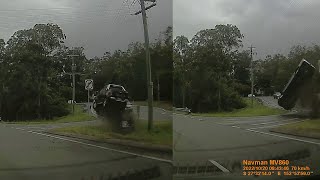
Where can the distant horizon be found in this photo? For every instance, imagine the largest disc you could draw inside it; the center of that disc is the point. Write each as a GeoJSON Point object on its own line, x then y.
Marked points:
{"type": "Point", "coordinates": [98, 26]}
{"type": "Point", "coordinates": [272, 26]}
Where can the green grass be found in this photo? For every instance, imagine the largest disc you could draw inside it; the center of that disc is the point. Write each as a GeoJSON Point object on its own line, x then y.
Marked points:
{"type": "Point", "coordinates": [308, 128]}
{"type": "Point", "coordinates": [160, 104]}
{"type": "Point", "coordinates": [258, 109]}
{"type": "Point", "coordinates": [79, 115]}
{"type": "Point", "coordinates": [160, 135]}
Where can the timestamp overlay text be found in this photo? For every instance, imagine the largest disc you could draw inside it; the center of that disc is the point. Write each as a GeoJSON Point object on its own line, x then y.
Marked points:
{"type": "Point", "coordinates": [274, 167]}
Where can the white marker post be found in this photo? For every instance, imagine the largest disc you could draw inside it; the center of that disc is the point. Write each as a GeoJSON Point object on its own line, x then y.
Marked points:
{"type": "Point", "coordinates": [89, 86]}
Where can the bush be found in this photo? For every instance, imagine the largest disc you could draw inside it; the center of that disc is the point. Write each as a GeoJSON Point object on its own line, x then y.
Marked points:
{"type": "Point", "coordinates": [55, 107]}
{"type": "Point", "coordinates": [208, 102]}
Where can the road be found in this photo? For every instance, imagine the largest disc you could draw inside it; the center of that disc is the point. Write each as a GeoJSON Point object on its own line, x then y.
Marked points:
{"type": "Point", "coordinates": [159, 114]}
{"type": "Point", "coordinates": [27, 153]}
{"type": "Point", "coordinates": [269, 101]}
{"type": "Point", "coordinates": [228, 141]}
{"type": "Point", "coordinates": [273, 103]}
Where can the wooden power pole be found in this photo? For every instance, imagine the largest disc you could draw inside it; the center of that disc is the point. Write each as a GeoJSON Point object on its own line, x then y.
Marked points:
{"type": "Point", "coordinates": [149, 80]}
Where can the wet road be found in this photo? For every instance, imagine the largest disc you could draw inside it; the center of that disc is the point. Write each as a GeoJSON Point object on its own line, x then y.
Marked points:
{"type": "Point", "coordinates": [28, 154]}
{"type": "Point", "coordinates": [228, 141]}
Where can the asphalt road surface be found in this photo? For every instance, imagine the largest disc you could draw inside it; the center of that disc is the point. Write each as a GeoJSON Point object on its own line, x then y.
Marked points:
{"type": "Point", "coordinates": [159, 114]}
{"type": "Point", "coordinates": [228, 141]}
{"type": "Point", "coordinates": [273, 103]}
{"type": "Point", "coordinates": [269, 101]}
{"type": "Point", "coordinates": [28, 154]}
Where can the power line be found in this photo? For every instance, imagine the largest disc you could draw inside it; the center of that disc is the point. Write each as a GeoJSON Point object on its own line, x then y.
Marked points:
{"type": "Point", "coordinates": [124, 19]}
{"type": "Point", "coordinates": [46, 9]}
{"type": "Point", "coordinates": [54, 18]}
{"type": "Point", "coordinates": [121, 8]}
{"type": "Point", "coordinates": [251, 72]}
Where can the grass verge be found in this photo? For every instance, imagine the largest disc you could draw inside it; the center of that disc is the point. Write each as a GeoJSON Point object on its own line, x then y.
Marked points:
{"type": "Point", "coordinates": [160, 104]}
{"type": "Point", "coordinates": [258, 109]}
{"type": "Point", "coordinates": [79, 115]}
{"type": "Point", "coordinates": [160, 135]}
{"type": "Point", "coordinates": [307, 128]}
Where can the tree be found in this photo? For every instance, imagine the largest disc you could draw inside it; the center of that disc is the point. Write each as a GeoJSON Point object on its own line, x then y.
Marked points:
{"type": "Point", "coordinates": [128, 68]}
{"type": "Point", "coordinates": [241, 73]}
{"type": "Point", "coordinates": [32, 73]}
{"type": "Point", "coordinates": [181, 46]}
{"type": "Point", "coordinates": [211, 56]}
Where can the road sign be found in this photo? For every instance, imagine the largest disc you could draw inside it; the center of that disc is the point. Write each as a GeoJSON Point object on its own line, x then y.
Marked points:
{"type": "Point", "coordinates": [89, 84]}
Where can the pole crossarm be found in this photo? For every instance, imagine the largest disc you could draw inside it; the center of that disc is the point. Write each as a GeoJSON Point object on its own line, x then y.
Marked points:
{"type": "Point", "coordinates": [152, 5]}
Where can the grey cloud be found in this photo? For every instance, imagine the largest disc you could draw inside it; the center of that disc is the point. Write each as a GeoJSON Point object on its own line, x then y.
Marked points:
{"type": "Point", "coordinates": [98, 25]}
{"type": "Point", "coordinates": [273, 26]}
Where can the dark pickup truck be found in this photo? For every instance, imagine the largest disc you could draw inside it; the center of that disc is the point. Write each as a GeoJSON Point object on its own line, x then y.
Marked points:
{"type": "Point", "coordinates": [112, 103]}
{"type": "Point", "coordinates": [111, 98]}
{"type": "Point", "coordinates": [298, 85]}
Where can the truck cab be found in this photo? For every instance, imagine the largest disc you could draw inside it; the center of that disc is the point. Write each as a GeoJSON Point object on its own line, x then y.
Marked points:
{"type": "Point", "coordinates": [299, 86]}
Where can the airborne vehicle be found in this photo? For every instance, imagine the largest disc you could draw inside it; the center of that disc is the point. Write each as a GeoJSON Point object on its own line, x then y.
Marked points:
{"type": "Point", "coordinates": [111, 98]}
{"type": "Point", "coordinates": [299, 87]}
{"type": "Point", "coordinates": [112, 101]}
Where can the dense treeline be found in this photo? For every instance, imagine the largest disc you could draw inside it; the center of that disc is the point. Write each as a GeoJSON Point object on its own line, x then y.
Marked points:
{"type": "Point", "coordinates": [208, 69]}
{"type": "Point", "coordinates": [273, 73]}
{"type": "Point", "coordinates": [32, 83]}
{"type": "Point", "coordinates": [34, 87]}
{"type": "Point", "coordinates": [128, 68]}
{"type": "Point", "coordinates": [211, 73]}
{"type": "Point", "coordinates": [205, 73]}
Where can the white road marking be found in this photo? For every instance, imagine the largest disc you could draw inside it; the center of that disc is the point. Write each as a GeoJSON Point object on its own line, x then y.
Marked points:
{"type": "Point", "coordinates": [38, 128]}
{"type": "Point", "coordinates": [235, 126]}
{"type": "Point", "coordinates": [286, 137]}
{"type": "Point", "coordinates": [241, 122]}
{"type": "Point", "coordinates": [276, 125]}
{"type": "Point", "coordinates": [223, 169]}
{"type": "Point", "coordinates": [97, 146]}
{"type": "Point", "coordinates": [273, 122]}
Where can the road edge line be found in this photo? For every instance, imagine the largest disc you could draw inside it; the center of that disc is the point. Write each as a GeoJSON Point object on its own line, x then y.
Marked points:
{"type": "Point", "coordinates": [101, 147]}
{"type": "Point", "coordinates": [285, 137]}
{"type": "Point", "coordinates": [223, 169]}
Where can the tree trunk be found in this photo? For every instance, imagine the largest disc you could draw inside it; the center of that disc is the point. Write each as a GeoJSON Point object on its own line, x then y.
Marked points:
{"type": "Point", "coordinates": [158, 87]}
{"type": "Point", "coordinates": [183, 96]}
{"type": "Point", "coordinates": [189, 95]}
{"type": "Point", "coordinates": [39, 99]}
{"type": "Point", "coordinates": [219, 95]}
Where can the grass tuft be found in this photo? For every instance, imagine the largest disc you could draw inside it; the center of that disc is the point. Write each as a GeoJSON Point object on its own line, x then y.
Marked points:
{"type": "Point", "coordinates": [79, 115]}
{"type": "Point", "coordinates": [307, 128]}
{"type": "Point", "coordinates": [161, 134]}
{"type": "Point", "coordinates": [258, 109]}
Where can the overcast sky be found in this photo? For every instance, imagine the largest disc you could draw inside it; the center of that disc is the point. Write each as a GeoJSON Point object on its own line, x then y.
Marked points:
{"type": "Point", "coordinates": [97, 25]}
{"type": "Point", "coordinates": [272, 26]}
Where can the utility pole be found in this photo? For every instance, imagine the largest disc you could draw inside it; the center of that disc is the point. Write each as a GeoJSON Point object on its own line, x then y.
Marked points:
{"type": "Point", "coordinates": [73, 73]}
{"type": "Point", "coordinates": [158, 94]}
{"type": "Point", "coordinates": [251, 72]}
{"type": "Point", "coordinates": [73, 70]}
{"type": "Point", "coordinates": [149, 80]}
